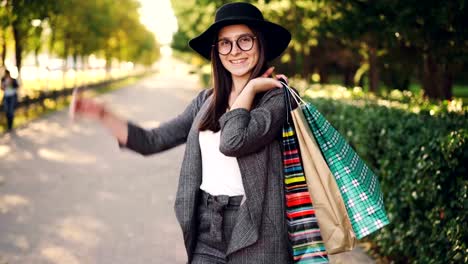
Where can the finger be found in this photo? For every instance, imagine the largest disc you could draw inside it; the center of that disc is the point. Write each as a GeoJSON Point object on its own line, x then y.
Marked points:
{"type": "Point", "coordinates": [278, 84]}
{"type": "Point", "coordinates": [282, 76]}
{"type": "Point", "coordinates": [268, 72]}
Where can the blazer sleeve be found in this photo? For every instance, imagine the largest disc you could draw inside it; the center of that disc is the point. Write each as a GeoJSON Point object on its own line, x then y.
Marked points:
{"type": "Point", "coordinates": [168, 135]}
{"type": "Point", "coordinates": [244, 132]}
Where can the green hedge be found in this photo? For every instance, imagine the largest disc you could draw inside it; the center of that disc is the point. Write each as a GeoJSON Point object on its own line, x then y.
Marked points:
{"type": "Point", "coordinates": [421, 161]}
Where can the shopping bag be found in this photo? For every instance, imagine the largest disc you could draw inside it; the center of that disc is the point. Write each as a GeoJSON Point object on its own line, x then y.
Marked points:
{"type": "Point", "coordinates": [335, 227]}
{"type": "Point", "coordinates": [358, 185]}
{"type": "Point", "coordinates": [304, 233]}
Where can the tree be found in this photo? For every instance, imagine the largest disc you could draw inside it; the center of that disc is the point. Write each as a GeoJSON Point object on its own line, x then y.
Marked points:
{"type": "Point", "coordinates": [433, 31]}
{"type": "Point", "coordinates": [85, 27]}
{"type": "Point", "coordinates": [392, 41]}
{"type": "Point", "coordinates": [438, 31]}
{"type": "Point", "coordinates": [21, 14]}
{"type": "Point", "coordinates": [5, 18]}
{"type": "Point", "coordinates": [361, 24]}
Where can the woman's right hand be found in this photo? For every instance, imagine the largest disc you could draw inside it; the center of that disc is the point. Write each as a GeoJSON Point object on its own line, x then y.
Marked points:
{"type": "Point", "coordinates": [92, 109]}
{"type": "Point", "coordinates": [88, 108]}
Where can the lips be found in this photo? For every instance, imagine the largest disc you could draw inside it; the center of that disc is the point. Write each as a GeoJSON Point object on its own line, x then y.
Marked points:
{"type": "Point", "coordinates": [238, 61]}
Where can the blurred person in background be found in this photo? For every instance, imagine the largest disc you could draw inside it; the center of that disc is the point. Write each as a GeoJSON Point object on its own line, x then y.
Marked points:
{"type": "Point", "coordinates": [10, 97]}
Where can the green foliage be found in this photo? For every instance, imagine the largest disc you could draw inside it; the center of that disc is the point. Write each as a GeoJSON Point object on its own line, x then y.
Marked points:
{"type": "Point", "coordinates": [193, 17]}
{"type": "Point", "coordinates": [89, 26]}
{"type": "Point", "coordinates": [81, 28]}
{"type": "Point", "coordinates": [399, 41]}
{"type": "Point", "coordinates": [420, 159]}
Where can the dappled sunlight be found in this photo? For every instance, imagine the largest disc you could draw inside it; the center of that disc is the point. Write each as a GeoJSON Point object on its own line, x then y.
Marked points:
{"type": "Point", "coordinates": [19, 241]}
{"type": "Point", "coordinates": [44, 130]}
{"type": "Point", "coordinates": [59, 255]}
{"type": "Point", "coordinates": [22, 155]}
{"type": "Point", "coordinates": [11, 148]}
{"type": "Point", "coordinates": [81, 229]}
{"type": "Point", "coordinates": [11, 201]}
{"type": "Point", "coordinates": [69, 156]}
{"type": "Point", "coordinates": [4, 150]}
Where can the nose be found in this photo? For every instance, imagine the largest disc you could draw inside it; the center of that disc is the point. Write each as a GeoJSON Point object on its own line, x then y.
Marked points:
{"type": "Point", "coordinates": [235, 49]}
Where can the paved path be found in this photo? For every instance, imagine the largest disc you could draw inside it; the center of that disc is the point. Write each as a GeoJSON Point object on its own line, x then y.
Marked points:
{"type": "Point", "coordinates": [68, 195]}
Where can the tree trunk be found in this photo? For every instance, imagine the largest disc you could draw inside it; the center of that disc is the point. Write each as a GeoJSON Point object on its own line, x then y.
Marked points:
{"type": "Point", "coordinates": [18, 47]}
{"type": "Point", "coordinates": [447, 84]}
{"type": "Point", "coordinates": [75, 68]}
{"type": "Point", "coordinates": [292, 61]}
{"type": "Point", "coordinates": [348, 77]}
{"type": "Point", "coordinates": [65, 63]}
{"type": "Point", "coordinates": [36, 57]}
{"type": "Point", "coordinates": [84, 68]}
{"type": "Point", "coordinates": [437, 79]}
{"type": "Point", "coordinates": [323, 74]}
{"type": "Point", "coordinates": [108, 64]}
{"type": "Point", "coordinates": [3, 48]}
{"type": "Point", "coordinates": [306, 66]}
{"type": "Point", "coordinates": [373, 70]}
{"type": "Point", "coordinates": [52, 36]}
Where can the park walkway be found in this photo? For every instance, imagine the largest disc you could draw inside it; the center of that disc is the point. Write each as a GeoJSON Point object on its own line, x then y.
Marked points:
{"type": "Point", "coordinates": [68, 195]}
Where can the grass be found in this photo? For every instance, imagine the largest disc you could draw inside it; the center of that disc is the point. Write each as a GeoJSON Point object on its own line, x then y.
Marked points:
{"type": "Point", "coordinates": [461, 91]}
{"type": "Point", "coordinates": [458, 90]}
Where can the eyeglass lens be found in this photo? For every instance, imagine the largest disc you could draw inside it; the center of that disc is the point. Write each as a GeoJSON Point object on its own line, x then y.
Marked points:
{"type": "Point", "coordinates": [244, 43]}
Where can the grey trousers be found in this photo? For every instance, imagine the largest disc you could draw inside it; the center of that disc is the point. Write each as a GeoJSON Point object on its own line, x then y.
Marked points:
{"type": "Point", "coordinates": [216, 219]}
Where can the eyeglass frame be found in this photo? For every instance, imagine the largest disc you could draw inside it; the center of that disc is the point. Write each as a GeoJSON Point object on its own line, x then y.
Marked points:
{"type": "Point", "coordinates": [237, 43]}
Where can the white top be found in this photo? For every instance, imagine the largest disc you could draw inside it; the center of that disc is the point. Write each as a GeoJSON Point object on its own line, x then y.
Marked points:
{"type": "Point", "coordinates": [221, 174]}
{"type": "Point", "coordinates": [9, 90]}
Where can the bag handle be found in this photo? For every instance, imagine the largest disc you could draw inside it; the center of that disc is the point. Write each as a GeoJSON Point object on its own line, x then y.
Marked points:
{"type": "Point", "coordinates": [293, 93]}
{"type": "Point", "coordinates": [287, 101]}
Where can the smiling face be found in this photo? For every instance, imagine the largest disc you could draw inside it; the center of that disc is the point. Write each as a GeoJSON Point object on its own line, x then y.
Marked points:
{"type": "Point", "coordinates": [238, 62]}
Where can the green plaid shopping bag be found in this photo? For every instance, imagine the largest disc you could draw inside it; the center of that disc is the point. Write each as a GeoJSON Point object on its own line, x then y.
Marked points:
{"type": "Point", "coordinates": [358, 185]}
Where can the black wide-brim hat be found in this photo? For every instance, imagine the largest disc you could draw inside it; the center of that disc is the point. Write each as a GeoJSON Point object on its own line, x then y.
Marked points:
{"type": "Point", "coordinates": [277, 38]}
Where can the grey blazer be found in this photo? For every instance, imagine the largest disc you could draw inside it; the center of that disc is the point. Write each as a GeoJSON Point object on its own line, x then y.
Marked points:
{"type": "Point", "coordinates": [253, 137]}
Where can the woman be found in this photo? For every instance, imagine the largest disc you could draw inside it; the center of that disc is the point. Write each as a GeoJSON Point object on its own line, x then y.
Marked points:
{"type": "Point", "coordinates": [9, 87]}
{"type": "Point", "coordinates": [230, 201]}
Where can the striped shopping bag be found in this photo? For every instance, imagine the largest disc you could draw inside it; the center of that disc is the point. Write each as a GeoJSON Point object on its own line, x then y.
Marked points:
{"type": "Point", "coordinates": [304, 233]}
{"type": "Point", "coordinates": [358, 185]}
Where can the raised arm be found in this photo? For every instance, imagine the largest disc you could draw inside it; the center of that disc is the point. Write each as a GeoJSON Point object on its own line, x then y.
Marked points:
{"type": "Point", "coordinates": [132, 136]}
{"type": "Point", "coordinates": [168, 135]}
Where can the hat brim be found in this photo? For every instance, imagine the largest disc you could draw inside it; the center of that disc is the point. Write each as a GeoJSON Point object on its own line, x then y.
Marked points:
{"type": "Point", "coordinates": [277, 38]}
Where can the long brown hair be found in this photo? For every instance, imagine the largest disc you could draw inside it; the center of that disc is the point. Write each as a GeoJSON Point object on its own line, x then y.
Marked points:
{"type": "Point", "coordinates": [222, 82]}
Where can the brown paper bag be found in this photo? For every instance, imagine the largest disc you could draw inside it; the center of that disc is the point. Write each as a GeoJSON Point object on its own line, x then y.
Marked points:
{"type": "Point", "coordinates": [330, 210]}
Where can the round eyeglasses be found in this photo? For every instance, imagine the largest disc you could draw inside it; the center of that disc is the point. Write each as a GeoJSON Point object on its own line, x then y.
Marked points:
{"type": "Point", "coordinates": [245, 43]}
